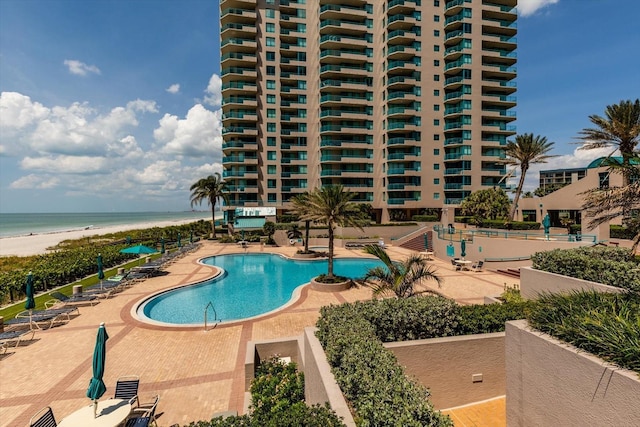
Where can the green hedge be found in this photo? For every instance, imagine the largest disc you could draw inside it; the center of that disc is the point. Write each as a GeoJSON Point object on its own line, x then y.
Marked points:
{"type": "Point", "coordinates": [604, 324]}
{"type": "Point", "coordinates": [514, 225]}
{"type": "Point", "coordinates": [277, 400]}
{"type": "Point", "coordinates": [368, 374]}
{"type": "Point", "coordinates": [620, 232]}
{"type": "Point", "coordinates": [425, 218]}
{"type": "Point", "coordinates": [610, 266]}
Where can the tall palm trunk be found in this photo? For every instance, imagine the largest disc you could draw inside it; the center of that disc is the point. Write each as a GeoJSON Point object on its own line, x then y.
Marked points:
{"type": "Point", "coordinates": [512, 213]}
{"type": "Point", "coordinates": [330, 261]}
{"type": "Point", "coordinates": [306, 236]}
{"type": "Point", "coordinates": [213, 217]}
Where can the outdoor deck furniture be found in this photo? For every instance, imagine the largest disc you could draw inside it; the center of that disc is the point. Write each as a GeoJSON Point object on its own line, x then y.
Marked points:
{"type": "Point", "coordinates": [64, 300]}
{"type": "Point", "coordinates": [111, 413]}
{"type": "Point", "coordinates": [43, 418]}
{"type": "Point", "coordinates": [38, 318]}
{"type": "Point", "coordinates": [428, 255]}
{"type": "Point", "coordinates": [477, 266]}
{"type": "Point", "coordinates": [464, 264]}
{"type": "Point", "coordinates": [456, 266]}
{"type": "Point", "coordinates": [144, 414]}
{"type": "Point", "coordinates": [127, 387]}
{"type": "Point", "coordinates": [8, 337]}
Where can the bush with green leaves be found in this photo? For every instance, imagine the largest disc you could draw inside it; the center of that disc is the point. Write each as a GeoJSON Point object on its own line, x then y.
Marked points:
{"type": "Point", "coordinates": [604, 324]}
{"type": "Point", "coordinates": [620, 232]}
{"type": "Point", "coordinates": [607, 265]}
{"type": "Point", "coordinates": [277, 396]}
{"type": "Point", "coordinates": [512, 225]}
{"type": "Point", "coordinates": [425, 218]}
{"type": "Point", "coordinates": [368, 374]}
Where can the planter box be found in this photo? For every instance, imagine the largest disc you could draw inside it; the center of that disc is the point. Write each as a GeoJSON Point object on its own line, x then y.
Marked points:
{"type": "Point", "coordinates": [330, 287]}
{"type": "Point", "coordinates": [534, 282]}
{"type": "Point", "coordinates": [551, 383]}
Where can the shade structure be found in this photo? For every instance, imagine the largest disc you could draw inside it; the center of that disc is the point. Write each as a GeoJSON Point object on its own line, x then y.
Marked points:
{"type": "Point", "coordinates": [463, 248]}
{"type": "Point", "coordinates": [96, 385]}
{"type": "Point", "coordinates": [426, 241]}
{"type": "Point", "coordinates": [100, 267]}
{"type": "Point", "coordinates": [29, 290]}
{"type": "Point", "coordinates": [139, 250]}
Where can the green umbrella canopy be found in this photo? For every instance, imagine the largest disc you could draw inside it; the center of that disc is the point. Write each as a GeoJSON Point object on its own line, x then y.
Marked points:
{"type": "Point", "coordinates": [463, 248]}
{"type": "Point", "coordinates": [546, 223]}
{"type": "Point", "coordinates": [138, 249]}
{"type": "Point", "coordinates": [100, 267]}
{"type": "Point", "coordinates": [426, 242]}
{"type": "Point", "coordinates": [29, 291]}
{"type": "Point", "coordinates": [96, 385]}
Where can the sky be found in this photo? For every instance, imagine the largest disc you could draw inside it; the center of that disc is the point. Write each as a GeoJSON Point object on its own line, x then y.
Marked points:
{"type": "Point", "coordinates": [114, 105]}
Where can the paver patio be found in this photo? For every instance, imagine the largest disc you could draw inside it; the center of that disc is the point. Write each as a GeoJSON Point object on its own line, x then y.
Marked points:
{"type": "Point", "coordinates": [196, 373]}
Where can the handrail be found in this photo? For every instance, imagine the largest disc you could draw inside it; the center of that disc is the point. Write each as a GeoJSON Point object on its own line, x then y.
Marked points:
{"type": "Point", "coordinates": [215, 315]}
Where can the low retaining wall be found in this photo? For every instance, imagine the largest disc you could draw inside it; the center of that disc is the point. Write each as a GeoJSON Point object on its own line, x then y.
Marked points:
{"type": "Point", "coordinates": [550, 383]}
{"type": "Point", "coordinates": [535, 282]}
{"type": "Point", "coordinates": [306, 351]}
{"type": "Point", "coordinates": [457, 370]}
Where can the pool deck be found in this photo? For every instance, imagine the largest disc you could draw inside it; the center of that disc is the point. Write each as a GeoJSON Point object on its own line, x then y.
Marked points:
{"type": "Point", "coordinates": [197, 374]}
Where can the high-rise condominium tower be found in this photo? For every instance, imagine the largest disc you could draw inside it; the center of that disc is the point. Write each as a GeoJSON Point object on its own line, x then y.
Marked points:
{"type": "Point", "coordinates": [407, 103]}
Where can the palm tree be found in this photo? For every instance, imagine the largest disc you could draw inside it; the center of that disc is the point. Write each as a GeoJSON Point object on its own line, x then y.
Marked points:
{"type": "Point", "coordinates": [399, 278]}
{"type": "Point", "coordinates": [524, 151]}
{"type": "Point", "coordinates": [620, 129]}
{"type": "Point", "coordinates": [211, 189]}
{"type": "Point", "coordinates": [299, 207]}
{"type": "Point", "coordinates": [332, 206]}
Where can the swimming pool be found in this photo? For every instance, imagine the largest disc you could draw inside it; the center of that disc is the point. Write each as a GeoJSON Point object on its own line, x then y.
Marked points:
{"type": "Point", "coordinates": [253, 284]}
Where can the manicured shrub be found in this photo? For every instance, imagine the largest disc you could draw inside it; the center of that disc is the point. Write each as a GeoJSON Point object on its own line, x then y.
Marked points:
{"type": "Point", "coordinates": [425, 218]}
{"type": "Point", "coordinates": [604, 324]}
{"type": "Point", "coordinates": [610, 266]}
{"type": "Point", "coordinates": [513, 225]}
{"type": "Point", "coordinates": [484, 319]}
{"type": "Point", "coordinates": [620, 232]}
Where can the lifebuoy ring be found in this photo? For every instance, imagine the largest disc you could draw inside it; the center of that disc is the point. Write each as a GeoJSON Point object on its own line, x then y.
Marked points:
{"type": "Point", "coordinates": [292, 242]}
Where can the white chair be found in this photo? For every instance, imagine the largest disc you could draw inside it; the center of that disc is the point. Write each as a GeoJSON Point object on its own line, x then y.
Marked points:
{"type": "Point", "coordinates": [477, 266]}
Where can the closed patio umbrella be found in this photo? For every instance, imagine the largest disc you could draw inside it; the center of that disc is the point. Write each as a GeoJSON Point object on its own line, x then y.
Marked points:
{"type": "Point", "coordinates": [162, 249]}
{"type": "Point", "coordinates": [191, 237]}
{"type": "Point", "coordinates": [463, 248]}
{"type": "Point", "coordinates": [96, 385]}
{"type": "Point", "coordinates": [29, 291]}
{"type": "Point", "coordinates": [100, 270]}
{"type": "Point", "coordinates": [179, 241]}
{"type": "Point", "coordinates": [426, 241]}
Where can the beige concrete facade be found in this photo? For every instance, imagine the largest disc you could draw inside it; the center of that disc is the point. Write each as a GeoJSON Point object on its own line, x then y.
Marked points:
{"type": "Point", "coordinates": [406, 103]}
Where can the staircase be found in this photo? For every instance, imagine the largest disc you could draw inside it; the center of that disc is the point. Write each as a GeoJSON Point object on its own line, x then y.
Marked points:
{"type": "Point", "coordinates": [417, 243]}
{"type": "Point", "coordinates": [511, 272]}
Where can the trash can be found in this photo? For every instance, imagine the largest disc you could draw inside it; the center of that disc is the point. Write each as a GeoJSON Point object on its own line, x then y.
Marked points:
{"type": "Point", "coordinates": [451, 228]}
{"type": "Point", "coordinates": [77, 289]}
{"type": "Point", "coordinates": [578, 236]}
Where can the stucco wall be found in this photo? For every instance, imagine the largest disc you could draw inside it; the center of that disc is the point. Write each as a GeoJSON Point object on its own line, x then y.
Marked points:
{"type": "Point", "coordinates": [550, 383]}
{"type": "Point", "coordinates": [450, 367]}
{"type": "Point", "coordinates": [534, 282]}
{"type": "Point", "coordinates": [258, 351]}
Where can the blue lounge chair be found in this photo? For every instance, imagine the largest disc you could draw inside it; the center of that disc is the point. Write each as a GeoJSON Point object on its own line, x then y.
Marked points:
{"type": "Point", "coordinates": [8, 337]}
{"type": "Point", "coordinates": [63, 299]}
{"type": "Point", "coordinates": [43, 418]}
{"type": "Point", "coordinates": [48, 317]}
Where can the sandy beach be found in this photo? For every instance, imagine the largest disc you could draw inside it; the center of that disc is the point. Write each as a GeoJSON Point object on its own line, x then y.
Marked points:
{"type": "Point", "coordinates": [38, 243]}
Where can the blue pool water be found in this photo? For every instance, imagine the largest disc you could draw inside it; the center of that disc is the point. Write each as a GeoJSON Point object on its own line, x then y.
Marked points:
{"type": "Point", "coordinates": [254, 284]}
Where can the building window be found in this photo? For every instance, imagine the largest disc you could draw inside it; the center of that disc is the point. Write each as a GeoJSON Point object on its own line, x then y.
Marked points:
{"type": "Point", "coordinates": [273, 197]}
{"type": "Point", "coordinates": [271, 183]}
{"type": "Point", "coordinates": [436, 181]}
{"type": "Point", "coordinates": [271, 155]}
{"type": "Point", "coordinates": [436, 62]}
{"type": "Point", "coordinates": [271, 27]}
{"type": "Point", "coordinates": [271, 1]}
{"type": "Point", "coordinates": [436, 18]}
{"type": "Point", "coordinates": [271, 99]}
{"type": "Point", "coordinates": [436, 122]}
{"type": "Point", "coordinates": [271, 127]}
{"type": "Point", "coordinates": [603, 178]}
{"type": "Point", "coordinates": [271, 70]}
{"type": "Point", "coordinates": [436, 137]}
{"type": "Point", "coordinates": [271, 169]}
{"type": "Point", "coordinates": [436, 107]}
{"type": "Point", "coordinates": [436, 77]}
{"type": "Point", "coordinates": [436, 92]}
{"type": "Point", "coordinates": [436, 48]}
{"type": "Point", "coordinates": [270, 13]}
{"type": "Point", "coordinates": [271, 84]}
{"type": "Point", "coordinates": [271, 41]}
{"type": "Point", "coordinates": [271, 141]}
{"type": "Point", "coordinates": [436, 166]}
{"type": "Point", "coordinates": [271, 56]}
{"type": "Point", "coordinates": [436, 196]}
{"type": "Point", "coordinates": [436, 151]}
{"type": "Point", "coordinates": [436, 3]}
{"type": "Point", "coordinates": [271, 113]}
{"type": "Point", "coordinates": [436, 33]}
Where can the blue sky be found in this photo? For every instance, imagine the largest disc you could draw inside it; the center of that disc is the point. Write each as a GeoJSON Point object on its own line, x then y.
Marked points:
{"type": "Point", "coordinates": [114, 105]}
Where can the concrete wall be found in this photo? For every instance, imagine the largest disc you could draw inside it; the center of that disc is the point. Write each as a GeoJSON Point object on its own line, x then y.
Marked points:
{"type": "Point", "coordinates": [534, 282]}
{"type": "Point", "coordinates": [457, 370]}
{"type": "Point", "coordinates": [550, 383]}
{"type": "Point", "coordinates": [258, 351]}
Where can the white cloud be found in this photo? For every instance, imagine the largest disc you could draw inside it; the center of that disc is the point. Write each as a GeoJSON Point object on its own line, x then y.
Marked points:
{"type": "Point", "coordinates": [80, 68]}
{"type": "Point", "coordinates": [17, 112]}
{"type": "Point", "coordinates": [174, 88]}
{"type": "Point", "coordinates": [197, 135]}
{"type": "Point", "coordinates": [35, 182]}
{"type": "Point", "coordinates": [66, 164]}
{"type": "Point", "coordinates": [213, 92]}
{"type": "Point", "coordinates": [529, 7]}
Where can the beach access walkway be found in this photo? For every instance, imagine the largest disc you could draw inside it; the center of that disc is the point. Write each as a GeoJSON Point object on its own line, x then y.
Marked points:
{"type": "Point", "coordinates": [196, 373]}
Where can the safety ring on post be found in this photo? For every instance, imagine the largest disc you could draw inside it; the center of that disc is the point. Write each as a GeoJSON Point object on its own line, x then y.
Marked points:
{"type": "Point", "coordinates": [292, 242]}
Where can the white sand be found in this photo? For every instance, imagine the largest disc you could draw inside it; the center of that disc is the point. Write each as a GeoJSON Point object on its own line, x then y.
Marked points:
{"type": "Point", "coordinates": [38, 243]}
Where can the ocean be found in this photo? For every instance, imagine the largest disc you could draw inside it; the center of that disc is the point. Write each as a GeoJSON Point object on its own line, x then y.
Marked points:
{"type": "Point", "coordinates": [22, 224]}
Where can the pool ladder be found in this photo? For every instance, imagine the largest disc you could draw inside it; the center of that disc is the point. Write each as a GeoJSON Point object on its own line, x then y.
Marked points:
{"type": "Point", "coordinates": [215, 316]}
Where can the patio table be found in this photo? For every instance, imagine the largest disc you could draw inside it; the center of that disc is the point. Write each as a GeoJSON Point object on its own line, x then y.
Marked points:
{"type": "Point", "coordinates": [464, 263]}
{"type": "Point", "coordinates": [111, 413]}
{"type": "Point", "coordinates": [428, 255]}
